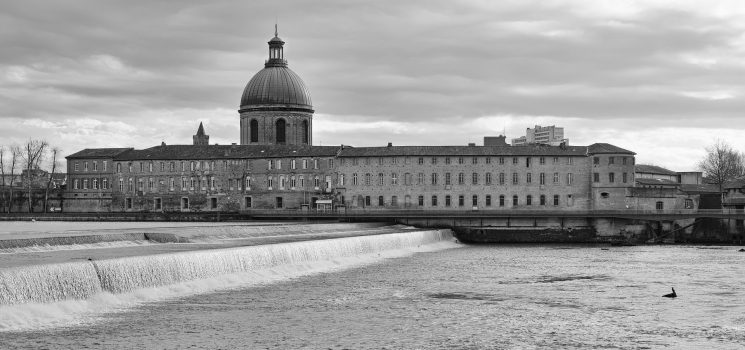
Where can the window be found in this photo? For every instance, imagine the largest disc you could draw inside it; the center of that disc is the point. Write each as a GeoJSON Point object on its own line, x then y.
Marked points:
{"type": "Point", "coordinates": [543, 199]}
{"type": "Point", "coordinates": [316, 182]}
{"type": "Point", "coordinates": [569, 160]}
{"type": "Point", "coordinates": [623, 160]}
{"type": "Point", "coordinates": [556, 199]}
{"type": "Point", "coordinates": [380, 161]}
{"type": "Point", "coordinates": [421, 201]}
{"type": "Point", "coordinates": [475, 160]}
{"type": "Point", "coordinates": [542, 179]}
{"type": "Point", "coordinates": [447, 201]}
{"type": "Point", "coordinates": [85, 166]}
{"type": "Point", "coordinates": [488, 200]}
{"type": "Point", "coordinates": [254, 130]}
{"type": "Point", "coordinates": [162, 166]}
{"type": "Point", "coordinates": [488, 177]}
{"type": "Point", "coordinates": [569, 179]}
{"type": "Point", "coordinates": [488, 160]}
{"type": "Point", "coordinates": [212, 182]}
{"type": "Point", "coordinates": [354, 179]}
{"type": "Point", "coordinates": [381, 179]}
{"type": "Point", "coordinates": [659, 205]}
{"type": "Point", "coordinates": [76, 166]}
{"type": "Point", "coordinates": [434, 178]}
{"type": "Point", "coordinates": [688, 204]}
{"type": "Point", "coordinates": [95, 184]}
{"type": "Point", "coordinates": [85, 184]}
{"type": "Point", "coordinates": [305, 163]}
{"type": "Point", "coordinates": [248, 182]}
{"type": "Point", "coordinates": [270, 182]}
{"type": "Point", "coordinates": [596, 160]}
{"type": "Point", "coordinates": [118, 167]}
{"type": "Point", "coordinates": [407, 179]}
{"type": "Point", "coordinates": [501, 160]}
{"type": "Point", "coordinates": [341, 179]}
{"type": "Point", "coordinates": [191, 183]}
{"type": "Point", "coordinates": [475, 200]}
{"type": "Point", "coordinates": [394, 160]}
{"type": "Point", "coordinates": [514, 200]}
{"type": "Point", "coordinates": [95, 166]}
{"type": "Point", "coordinates": [151, 184]}
{"type": "Point", "coordinates": [434, 160]}
{"type": "Point", "coordinates": [611, 177]}
{"type": "Point", "coordinates": [460, 160]}
{"type": "Point", "coordinates": [529, 178]}
{"type": "Point", "coordinates": [542, 160]}
{"type": "Point", "coordinates": [280, 203]}
{"type": "Point", "coordinates": [434, 201]}
{"type": "Point", "coordinates": [381, 201]}
{"type": "Point", "coordinates": [611, 160]}
{"type": "Point", "coordinates": [475, 178]}
{"type": "Point", "coordinates": [183, 183]}
{"type": "Point", "coordinates": [330, 163]}
{"type": "Point", "coordinates": [367, 179]}
{"type": "Point", "coordinates": [514, 179]}
{"type": "Point", "coordinates": [270, 165]}
{"type": "Point", "coordinates": [279, 164]}
{"type": "Point", "coordinates": [150, 167]}
{"type": "Point", "coordinates": [625, 177]}
{"type": "Point", "coordinates": [529, 200]}
{"type": "Point", "coordinates": [447, 160]}
{"type": "Point", "coordinates": [596, 177]}
{"type": "Point", "coordinates": [281, 135]}
{"type": "Point", "coordinates": [129, 203]}
{"type": "Point", "coordinates": [394, 201]}
{"type": "Point", "coordinates": [556, 160]}
{"type": "Point", "coordinates": [315, 163]}
{"type": "Point", "coordinates": [501, 200]}
{"type": "Point", "coordinates": [447, 179]}
{"type": "Point", "coordinates": [293, 182]}
{"type": "Point", "coordinates": [604, 194]}
{"type": "Point", "coordinates": [105, 184]}
{"type": "Point", "coordinates": [367, 161]}
{"type": "Point", "coordinates": [527, 162]}
{"type": "Point", "coordinates": [556, 178]}
{"type": "Point", "coordinates": [367, 201]}
{"type": "Point", "coordinates": [292, 164]}
{"type": "Point", "coordinates": [421, 160]}
{"type": "Point", "coordinates": [306, 132]}
{"type": "Point", "coordinates": [121, 185]}
{"type": "Point", "coordinates": [514, 160]}
{"type": "Point", "coordinates": [420, 179]}
{"type": "Point", "coordinates": [501, 178]}
{"type": "Point", "coordinates": [461, 200]}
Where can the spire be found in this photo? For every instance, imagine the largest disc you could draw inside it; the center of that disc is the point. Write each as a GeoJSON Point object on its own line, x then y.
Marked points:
{"type": "Point", "coordinates": [275, 29]}
{"type": "Point", "coordinates": [200, 131]}
{"type": "Point", "coordinates": [201, 138]}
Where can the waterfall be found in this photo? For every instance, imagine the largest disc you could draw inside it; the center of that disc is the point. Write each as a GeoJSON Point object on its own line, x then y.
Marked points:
{"type": "Point", "coordinates": [81, 280]}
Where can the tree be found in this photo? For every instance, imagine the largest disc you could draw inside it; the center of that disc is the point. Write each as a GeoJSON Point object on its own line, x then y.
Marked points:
{"type": "Point", "coordinates": [722, 163]}
{"type": "Point", "coordinates": [8, 165]}
{"type": "Point", "coordinates": [32, 155]}
{"type": "Point", "coordinates": [54, 164]}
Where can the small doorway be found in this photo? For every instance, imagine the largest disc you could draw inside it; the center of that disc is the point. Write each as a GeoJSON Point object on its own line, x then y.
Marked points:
{"type": "Point", "coordinates": [279, 203]}
{"type": "Point", "coordinates": [184, 203]}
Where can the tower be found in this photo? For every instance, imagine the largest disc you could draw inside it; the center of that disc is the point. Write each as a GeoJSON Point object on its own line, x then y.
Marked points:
{"type": "Point", "coordinates": [276, 108]}
{"type": "Point", "coordinates": [201, 138]}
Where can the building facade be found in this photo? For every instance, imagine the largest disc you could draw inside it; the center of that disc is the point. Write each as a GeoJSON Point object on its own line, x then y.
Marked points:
{"type": "Point", "coordinates": [545, 135]}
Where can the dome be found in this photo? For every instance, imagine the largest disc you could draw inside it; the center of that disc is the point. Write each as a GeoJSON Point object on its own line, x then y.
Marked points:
{"type": "Point", "coordinates": [276, 86]}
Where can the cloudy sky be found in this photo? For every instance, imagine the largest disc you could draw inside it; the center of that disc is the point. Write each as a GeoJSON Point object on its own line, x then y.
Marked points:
{"type": "Point", "coordinates": [661, 78]}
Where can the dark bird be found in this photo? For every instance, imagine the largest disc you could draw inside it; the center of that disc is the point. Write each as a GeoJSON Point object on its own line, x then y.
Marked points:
{"type": "Point", "coordinates": [671, 295]}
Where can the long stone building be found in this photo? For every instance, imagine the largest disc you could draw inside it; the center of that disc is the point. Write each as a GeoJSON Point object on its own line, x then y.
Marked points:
{"type": "Point", "coordinates": [275, 166]}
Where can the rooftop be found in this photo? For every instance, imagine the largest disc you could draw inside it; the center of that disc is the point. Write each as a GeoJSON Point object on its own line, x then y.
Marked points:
{"type": "Point", "coordinates": [653, 169]}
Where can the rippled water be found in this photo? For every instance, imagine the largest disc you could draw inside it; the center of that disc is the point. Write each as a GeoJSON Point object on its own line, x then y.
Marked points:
{"type": "Point", "coordinates": [475, 297]}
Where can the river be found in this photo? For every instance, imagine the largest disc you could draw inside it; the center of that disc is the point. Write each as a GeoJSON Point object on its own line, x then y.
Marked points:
{"type": "Point", "coordinates": [451, 296]}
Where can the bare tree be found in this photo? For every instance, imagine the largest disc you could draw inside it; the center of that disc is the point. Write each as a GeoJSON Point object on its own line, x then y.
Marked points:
{"type": "Point", "coordinates": [32, 155]}
{"type": "Point", "coordinates": [54, 164]}
{"type": "Point", "coordinates": [8, 165]}
{"type": "Point", "coordinates": [3, 194]}
{"type": "Point", "coordinates": [722, 163]}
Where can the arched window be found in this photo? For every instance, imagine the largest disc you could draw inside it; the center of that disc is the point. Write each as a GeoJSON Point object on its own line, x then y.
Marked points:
{"type": "Point", "coordinates": [281, 131]}
{"type": "Point", "coordinates": [254, 126]}
{"type": "Point", "coordinates": [306, 132]}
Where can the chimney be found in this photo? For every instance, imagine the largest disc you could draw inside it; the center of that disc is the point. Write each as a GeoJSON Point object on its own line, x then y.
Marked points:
{"type": "Point", "coordinates": [471, 144]}
{"type": "Point", "coordinates": [390, 144]}
{"type": "Point", "coordinates": [233, 143]}
{"type": "Point", "coordinates": [163, 143]}
{"type": "Point", "coordinates": [563, 145]}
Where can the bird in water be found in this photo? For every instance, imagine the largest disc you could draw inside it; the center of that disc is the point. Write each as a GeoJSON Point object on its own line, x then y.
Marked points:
{"type": "Point", "coordinates": [671, 295]}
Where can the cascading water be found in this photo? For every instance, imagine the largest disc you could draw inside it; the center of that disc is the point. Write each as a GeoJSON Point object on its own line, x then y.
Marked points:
{"type": "Point", "coordinates": [81, 280]}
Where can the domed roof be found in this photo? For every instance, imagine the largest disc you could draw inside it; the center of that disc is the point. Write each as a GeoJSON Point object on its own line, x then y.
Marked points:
{"type": "Point", "coordinates": [276, 86]}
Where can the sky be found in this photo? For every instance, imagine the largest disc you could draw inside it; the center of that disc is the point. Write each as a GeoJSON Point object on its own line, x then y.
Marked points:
{"type": "Point", "coordinates": [660, 78]}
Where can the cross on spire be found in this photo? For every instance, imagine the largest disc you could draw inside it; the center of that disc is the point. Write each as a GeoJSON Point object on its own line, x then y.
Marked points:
{"type": "Point", "coordinates": [275, 30]}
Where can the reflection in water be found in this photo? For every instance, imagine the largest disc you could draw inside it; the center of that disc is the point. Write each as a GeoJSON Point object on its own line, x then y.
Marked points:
{"type": "Point", "coordinates": [477, 297]}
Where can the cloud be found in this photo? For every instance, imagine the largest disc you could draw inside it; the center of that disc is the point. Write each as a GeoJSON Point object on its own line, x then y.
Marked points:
{"type": "Point", "coordinates": [96, 74]}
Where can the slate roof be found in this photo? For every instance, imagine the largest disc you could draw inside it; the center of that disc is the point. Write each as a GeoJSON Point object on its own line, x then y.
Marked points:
{"type": "Point", "coordinates": [653, 169]}
{"type": "Point", "coordinates": [456, 151]}
{"type": "Point", "coordinates": [98, 152]}
{"type": "Point", "coordinates": [736, 183]}
{"type": "Point", "coordinates": [699, 188]}
{"type": "Point", "coordinates": [605, 148]}
{"type": "Point", "coordinates": [202, 152]}
{"type": "Point", "coordinates": [656, 182]}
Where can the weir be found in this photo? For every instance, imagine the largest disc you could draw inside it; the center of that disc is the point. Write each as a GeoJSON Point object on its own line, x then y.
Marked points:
{"type": "Point", "coordinates": [83, 279]}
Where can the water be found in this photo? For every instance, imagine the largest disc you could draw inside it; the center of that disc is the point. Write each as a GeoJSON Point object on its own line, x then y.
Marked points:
{"type": "Point", "coordinates": [425, 297]}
